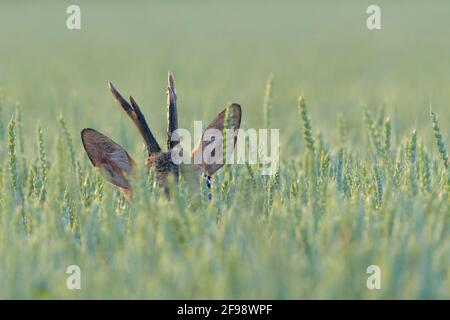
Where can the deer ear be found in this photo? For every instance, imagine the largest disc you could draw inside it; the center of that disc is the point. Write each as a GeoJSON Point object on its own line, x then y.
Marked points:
{"type": "Point", "coordinates": [109, 158]}
{"type": "Point", "coordinates": [211, 144]}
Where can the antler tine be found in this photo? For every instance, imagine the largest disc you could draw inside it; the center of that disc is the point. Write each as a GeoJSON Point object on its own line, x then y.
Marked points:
{"type": "Point", "coordinates": [138, 118]}
{"type": "Point", "coordinates": [172, 117]}
{"type": "Point", "coordinates": [150, 140]}
{"type": "Point", "coordinates": [171, 81]}
{"type": "Point", "coordinates": [122, 102]}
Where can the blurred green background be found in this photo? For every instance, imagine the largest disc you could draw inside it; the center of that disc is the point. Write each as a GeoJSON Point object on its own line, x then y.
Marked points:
{"type": "Point", "coordinates": [285, 236]}
{"type": "Point", "coordinates": [222, 52]}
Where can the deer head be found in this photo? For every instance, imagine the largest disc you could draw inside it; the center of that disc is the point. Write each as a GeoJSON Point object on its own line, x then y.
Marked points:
{"type": "Point", "coordinates": [116, 164]}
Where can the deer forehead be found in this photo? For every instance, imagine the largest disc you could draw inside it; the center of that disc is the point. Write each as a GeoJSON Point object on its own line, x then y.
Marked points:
{"type": "Point", "coordinates": [162, 162]}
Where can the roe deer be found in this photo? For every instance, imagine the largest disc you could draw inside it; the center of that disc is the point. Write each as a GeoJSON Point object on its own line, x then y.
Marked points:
{"type": "Point", "coordinates": [116, 164]}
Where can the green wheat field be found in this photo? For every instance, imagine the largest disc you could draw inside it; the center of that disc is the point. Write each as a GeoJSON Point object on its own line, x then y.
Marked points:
{"type": "Point", "coordinates": [364, 172]}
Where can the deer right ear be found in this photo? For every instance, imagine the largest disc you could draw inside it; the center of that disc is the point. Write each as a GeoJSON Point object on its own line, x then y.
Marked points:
{"type": "Point", "coordinates": [109, 158]}
{"type": "Point", "coordinates": [210, 167]}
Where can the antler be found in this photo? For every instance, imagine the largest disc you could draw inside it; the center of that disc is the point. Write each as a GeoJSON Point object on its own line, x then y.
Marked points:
{"type": "Point", "coordinates": [172, 117]}
{"type": "Point", "coordinates": [138, 118]}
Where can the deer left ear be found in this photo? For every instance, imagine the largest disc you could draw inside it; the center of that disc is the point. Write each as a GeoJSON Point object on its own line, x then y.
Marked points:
{"type": "Point", "coordinates": [110, 158]}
